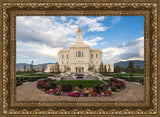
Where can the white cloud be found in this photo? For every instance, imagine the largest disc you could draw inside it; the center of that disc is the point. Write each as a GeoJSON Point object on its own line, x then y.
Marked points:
{"type": "Point", "coordinates": [93, 42]}
{"type": "Point", "coordinates": [133, 50]}
{"type": "Point", "coordinates": [102, 43]}
{"type": "Point", "coordinates": [116, 19]}
{"type": "Point", "coordinates": [63, 18]}
{"type": "Point", "coordinates": [35, 50]}
{"type": "Point", "coordinates": [92, 23]}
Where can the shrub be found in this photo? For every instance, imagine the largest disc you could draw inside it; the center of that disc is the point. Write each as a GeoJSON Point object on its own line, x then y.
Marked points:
{"type": "Point", "coordinates": [113, 88]}
{"type": "Point", "coordinates": [47, 86]}
{"type": "Point", "coordinates": [109, 82]}
{"type": "Point", "coordinates": [67, 88]}
{"type": "Point", "coordinates": [142, 81]}
{"type": "Point", "coordinates": [97, 89]}
{"type": "Point", "coordinates": [41, 84]}
{"type": "Point", "coordinates": [103, 89]}
{"type": "Point", "coordinates": [80, 86]}
{"type": "Point", "coordinates": [120, 84]}
{"type": "Point", "coordinates": [18, 82]}
{"type": "Point", "coordinates": [53, 85]}
{"type": "Point", "coordinates": [45, 80]}
{"type": "Point", "coordinates": [114, 80]}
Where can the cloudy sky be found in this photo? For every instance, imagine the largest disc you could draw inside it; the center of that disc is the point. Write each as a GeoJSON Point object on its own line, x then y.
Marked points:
{"type": "Point", "coordinates": [39, 38]}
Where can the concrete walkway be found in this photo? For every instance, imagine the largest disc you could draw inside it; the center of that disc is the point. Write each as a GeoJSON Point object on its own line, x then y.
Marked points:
{"type": "Point", "coordinates": [29, 92]}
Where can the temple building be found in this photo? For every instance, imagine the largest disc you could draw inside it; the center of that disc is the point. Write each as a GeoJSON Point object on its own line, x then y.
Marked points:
{"type": "Point", "coordinates": [80, 58]}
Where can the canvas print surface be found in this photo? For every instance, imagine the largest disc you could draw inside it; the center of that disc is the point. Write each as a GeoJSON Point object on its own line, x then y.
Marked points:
{"type": "Point", "coordinates": [80, 58]}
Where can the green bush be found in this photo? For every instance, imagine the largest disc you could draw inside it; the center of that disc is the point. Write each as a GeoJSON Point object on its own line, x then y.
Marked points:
{"type": "Point", "coordinates": [19, 82]}
{"type": "Point", "coordinates": [81, 86]}
{"type": "Point", "coordinates": [53, 85]}
{"type": "Point", "coordinates": [109, 82]}
{"type": "Point", "coordinates": [113, 88]}
{"type": "Point", "coordinates": [98, 89]}
{"type": "Point", "coordinates": [67, 88]}
{"type": "Point", "coordinates": [47, 87]}
{"type": "Point", "coordinates": [142, 81]}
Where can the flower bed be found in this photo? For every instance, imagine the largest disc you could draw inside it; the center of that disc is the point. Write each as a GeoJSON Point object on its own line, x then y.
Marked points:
{"type": "Point", "coordinates": [116, 85]}
{"type": "Point", "coordinates": [50, 87]}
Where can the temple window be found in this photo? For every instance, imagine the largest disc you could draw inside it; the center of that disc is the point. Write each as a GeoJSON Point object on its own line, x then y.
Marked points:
{"type": "Point", "coordinates": [82, 54]}
{"type": "Point", "coordinates": [62, 56]}
{"type": "Point", "coordinates": [96, 55]}
{"type": "Point", "coordinates": [91, 55]}
{"type": "Point", "coordinates": [79, 54]}
{"type": "Point", "coordinates": [67, 55]}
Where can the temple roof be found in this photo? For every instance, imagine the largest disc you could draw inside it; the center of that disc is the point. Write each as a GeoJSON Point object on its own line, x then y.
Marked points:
{"type": "Point", "coordinates": [79, 30]}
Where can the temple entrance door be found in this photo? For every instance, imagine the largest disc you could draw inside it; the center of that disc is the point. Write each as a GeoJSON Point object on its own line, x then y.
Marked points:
{"type": "Point", "coordinates": [79, 69]}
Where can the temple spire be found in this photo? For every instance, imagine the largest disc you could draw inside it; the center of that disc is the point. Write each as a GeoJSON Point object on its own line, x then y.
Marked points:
{"type": "Point", "coordinates": [79, 30]}
{"type": "Point", "coordinates": [79, 37]}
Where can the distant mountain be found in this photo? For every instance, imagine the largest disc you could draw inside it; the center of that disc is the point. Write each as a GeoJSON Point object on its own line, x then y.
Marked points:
{"type": "Point", "coordinates": [125, 63]}
{"type": "Point", "coordinates": [20, 66]}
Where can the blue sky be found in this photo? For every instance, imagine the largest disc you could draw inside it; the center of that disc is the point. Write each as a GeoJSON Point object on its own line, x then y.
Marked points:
{"type": "Point", "coordinates": [39, 38]}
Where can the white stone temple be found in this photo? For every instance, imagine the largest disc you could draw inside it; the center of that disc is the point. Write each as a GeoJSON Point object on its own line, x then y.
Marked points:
{"type": "Point", "coordinates": [80, 58]}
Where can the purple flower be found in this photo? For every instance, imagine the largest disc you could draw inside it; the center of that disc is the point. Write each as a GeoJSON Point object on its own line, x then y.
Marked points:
{"type": "Point", "coordinates": [54, 91]}
{"type": "Point", "coordinates": [98, 95]}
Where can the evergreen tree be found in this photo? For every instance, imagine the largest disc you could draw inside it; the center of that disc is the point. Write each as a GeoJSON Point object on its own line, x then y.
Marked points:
{"type": "Point", "coordinates": [109, 68]}
{"type": "Point", "coordinates": [101, 67]}
{"type": "Point", "coordinates": [31, 68]}
{"type": "Point", "coordinates": [25, 68]}
{"type": "Point", "coordinates": [117, 69]}
{"type": "Point", "coordinates": [131, 68]}
{"type": "Point", "coordinates": [105, 70]}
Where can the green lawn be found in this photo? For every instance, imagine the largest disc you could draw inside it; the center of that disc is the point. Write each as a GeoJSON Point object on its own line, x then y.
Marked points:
{"type": "Point", "coordinates": [34, 74]}
{"type": "Point", "coordinates": [75, 83]}
{"type": "Point", "coordinates": [125, 74]}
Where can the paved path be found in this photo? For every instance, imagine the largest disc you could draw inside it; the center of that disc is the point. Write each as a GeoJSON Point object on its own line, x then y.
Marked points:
{"type": "Point", "coordinates": [29, 92]}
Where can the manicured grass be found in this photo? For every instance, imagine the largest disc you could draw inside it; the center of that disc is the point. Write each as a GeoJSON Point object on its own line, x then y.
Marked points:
{"type": "Point", "coordinates": [124, 74]}
{"type": "Point", "coordinates": [75, 83]}
{"type": "Point", "coordinates": [34, 74]}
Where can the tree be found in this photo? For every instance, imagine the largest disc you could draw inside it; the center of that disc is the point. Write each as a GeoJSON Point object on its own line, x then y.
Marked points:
{"type": "Point", "coordinates": [137, 69]}
{"type": "Point", "coordinates": [24, 68]}
{"type": "Point", "coordinates": [105, 70]}
{"type": "Point", "coordinates": [43, 68]}
{"type": "Point", "coordinates": [117, 69]}
{"type": "Point", "coordinates": [31, 68]}
{"type": "Point", "coordinates": [27, 70]}
{"type": "Point", "coordinates": [101, 67]}
{"type": "Point", "coordinates": [57, 67]}
{"type": "Point", "coordinates": [131, 68]}
{"type": "Point", "coordinates": [109, 68]}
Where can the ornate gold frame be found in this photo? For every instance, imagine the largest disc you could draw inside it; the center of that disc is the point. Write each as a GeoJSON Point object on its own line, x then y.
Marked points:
{"type": "Point", "coordinates": [8, 63]}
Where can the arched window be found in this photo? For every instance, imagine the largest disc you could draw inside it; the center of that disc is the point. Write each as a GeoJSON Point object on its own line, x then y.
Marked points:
{"type": "Point", "coordinates": [79, 54]}
{"type": "Point", "coordinates": [82, 54]}
{"type": "Point", "coordinates": [76, 54]}
{"type": "Point", "coordinates": [62, 55]}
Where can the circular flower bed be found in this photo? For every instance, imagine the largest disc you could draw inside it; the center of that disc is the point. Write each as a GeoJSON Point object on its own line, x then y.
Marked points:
{"type": "Point", "coordinates": [116, 85]}
{"type": "Point", "coordinates": [50, 87]}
